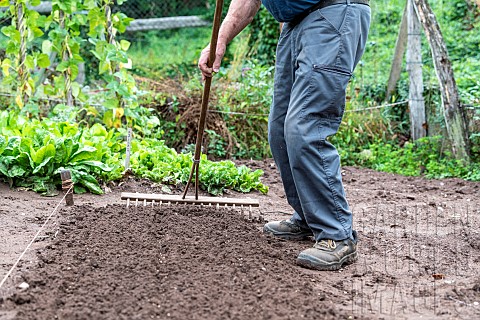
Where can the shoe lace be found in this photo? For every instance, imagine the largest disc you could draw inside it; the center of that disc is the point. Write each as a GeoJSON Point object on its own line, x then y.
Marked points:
{"type": "Point", "coordinates": [326, 244]}
{"type": "Point", "coordinates": [290, 224]}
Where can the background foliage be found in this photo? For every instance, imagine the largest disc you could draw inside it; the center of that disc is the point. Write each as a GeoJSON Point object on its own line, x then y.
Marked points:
{"type": "Point", "coordinates": [244, 86]}
{"type": "Point", "coordinates": [153, 86]}
{"type": "Point", "coordinates": [86, 135]}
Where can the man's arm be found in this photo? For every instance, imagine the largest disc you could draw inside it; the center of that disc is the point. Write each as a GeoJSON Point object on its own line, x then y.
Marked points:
{"type": "Point", "coordinates": [240, 14]}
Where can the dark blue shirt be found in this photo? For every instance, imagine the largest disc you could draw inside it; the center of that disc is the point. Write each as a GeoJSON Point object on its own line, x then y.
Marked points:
{"type": "Point", "coordinates": [288, 10]}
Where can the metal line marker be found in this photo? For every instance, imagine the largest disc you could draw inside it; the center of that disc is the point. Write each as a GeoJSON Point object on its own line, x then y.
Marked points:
{"type": "Point", "coordinates": [128, 151]}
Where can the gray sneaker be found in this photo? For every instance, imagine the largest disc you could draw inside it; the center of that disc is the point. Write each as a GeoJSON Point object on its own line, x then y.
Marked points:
{"type": "Point", "coordinates": [287, 229]}
{"type": "Point", "coordinates": [328, 255]}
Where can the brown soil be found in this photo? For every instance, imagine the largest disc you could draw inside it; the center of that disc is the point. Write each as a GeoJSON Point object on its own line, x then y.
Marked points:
{"type": "Point", "coordinates": [419, 256]}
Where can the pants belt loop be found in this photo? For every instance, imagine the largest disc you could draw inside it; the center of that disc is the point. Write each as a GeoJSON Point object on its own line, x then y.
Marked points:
{"type": "Point", "coordinates": [348, 2]}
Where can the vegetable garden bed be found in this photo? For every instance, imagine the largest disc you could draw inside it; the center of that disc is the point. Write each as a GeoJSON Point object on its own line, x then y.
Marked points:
{"type": "Point", "coordinates": [419, 252]}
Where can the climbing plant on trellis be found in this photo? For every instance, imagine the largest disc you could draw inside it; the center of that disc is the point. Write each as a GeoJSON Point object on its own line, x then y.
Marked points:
{"type": "Point", "coordinates": [57, 41]}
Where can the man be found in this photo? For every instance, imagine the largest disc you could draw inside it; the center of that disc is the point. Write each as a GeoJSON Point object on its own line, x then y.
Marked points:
{"type": "Point", "coordinates": [320, 44]}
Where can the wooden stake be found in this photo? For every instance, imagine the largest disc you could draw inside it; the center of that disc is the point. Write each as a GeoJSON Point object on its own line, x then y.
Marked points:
{"type": "Point", "coordinates": [414, 68]}
{"type": "Point", "coordinates": [453, 113]}
{"type": "Point", "coordinates": [67, 186]}
{"type": "Point", "coordinates": [400, 48]}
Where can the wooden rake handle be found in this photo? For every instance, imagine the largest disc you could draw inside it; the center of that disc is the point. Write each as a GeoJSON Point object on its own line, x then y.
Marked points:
{"type": "Point", "coordinates": [205, 99]}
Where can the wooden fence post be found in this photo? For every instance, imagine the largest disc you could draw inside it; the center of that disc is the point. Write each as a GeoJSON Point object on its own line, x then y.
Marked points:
{"type": "Point", "coordinates": [454, 117]}
{"type": "Point", "coordinates": [400, 47]}
{"type": "Point", "coordinates": [414, 68]}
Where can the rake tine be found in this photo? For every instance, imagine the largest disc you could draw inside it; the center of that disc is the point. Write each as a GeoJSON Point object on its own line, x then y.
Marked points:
{"type": "Point", "coordinates": [153, 203]}
{"type": "Point", "coordinates": [128, 202]}
{"type": "Point", "coordinates": [250, 213]}
{"type": "Point", "coordinates": [136, 202]}
{"type": "Point", "coordinates": [145, 202]}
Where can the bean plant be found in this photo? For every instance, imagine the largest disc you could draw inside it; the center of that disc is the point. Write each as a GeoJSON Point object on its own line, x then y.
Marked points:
{"type": "Point", "coordinates": [58, 41]}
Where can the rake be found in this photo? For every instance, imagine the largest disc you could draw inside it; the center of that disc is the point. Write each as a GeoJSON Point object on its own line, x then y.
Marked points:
{"type": "Point", "coordinates": [196, 200]}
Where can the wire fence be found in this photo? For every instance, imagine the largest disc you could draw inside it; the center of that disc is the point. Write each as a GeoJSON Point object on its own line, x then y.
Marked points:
{"type": "Point", "coordinates": [161, 15]}
{"type": "Point", "coordinates": [143, 9]}
{"type": "Point", "coordinates": [152, 15]}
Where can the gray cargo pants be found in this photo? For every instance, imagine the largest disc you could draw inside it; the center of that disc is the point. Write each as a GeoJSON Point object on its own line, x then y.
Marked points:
{"type": "Point", "coordinates": [315, 60]}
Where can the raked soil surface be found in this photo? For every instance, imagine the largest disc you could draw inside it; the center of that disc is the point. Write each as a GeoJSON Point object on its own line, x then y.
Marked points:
{"type": "Point", "coordinates": [419, 256]}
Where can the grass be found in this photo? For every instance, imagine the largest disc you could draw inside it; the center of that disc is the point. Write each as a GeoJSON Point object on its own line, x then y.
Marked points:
{"type": "Point", "coordinates": [168, 53]}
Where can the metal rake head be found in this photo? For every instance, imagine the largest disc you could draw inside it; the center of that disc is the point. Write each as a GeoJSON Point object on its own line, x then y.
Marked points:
{"type": "Point", "coordinates": [142, 199]}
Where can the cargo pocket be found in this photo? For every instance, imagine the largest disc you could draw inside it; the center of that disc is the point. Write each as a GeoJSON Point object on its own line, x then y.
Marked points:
{"type": "Point", "coordinates": [326, 103]}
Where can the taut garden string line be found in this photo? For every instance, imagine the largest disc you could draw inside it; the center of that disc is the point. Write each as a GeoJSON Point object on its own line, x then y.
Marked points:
{"type": "Point", "coordinates": [33, 240]}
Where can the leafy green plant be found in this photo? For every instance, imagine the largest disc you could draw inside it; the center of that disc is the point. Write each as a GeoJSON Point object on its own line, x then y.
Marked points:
{"type": "Point", "coordinates": [216, 145]}
{"type": "Point", "coordinates": [18, 64]}
{"type": "Point", "coordinates": [426, 156]}
{"type": "Point", "coordinates": [36, 42]}
{"type": "Point", "coordinates": [33, 152]}
{"type": "Point", "coordinates": [264, 32]}
{"type": "Point", "coordinates": [152, 159]}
